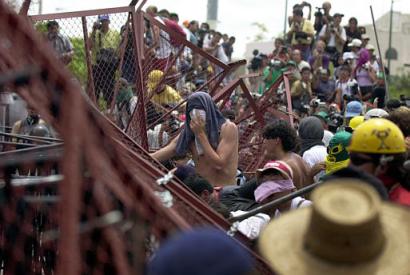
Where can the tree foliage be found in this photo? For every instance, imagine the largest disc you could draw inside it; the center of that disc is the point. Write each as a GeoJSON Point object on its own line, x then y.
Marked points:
{"type": "Point", "coordinates": [78, 65]}
{"type": "Point", "coordinates": [399, 85]}
{"type": "Point", "coordinates": [261, 33]}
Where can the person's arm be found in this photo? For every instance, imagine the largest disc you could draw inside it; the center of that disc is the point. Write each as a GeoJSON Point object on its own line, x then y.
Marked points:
{"type": "Point", "coordinates": [324, 33]}
{"type": "Point", "coordinates": [309, 29]}
{"type": "Point", "coordinates": [309, 17]}
{"type": "Point", "coordinates": [296, 90]}
{"type": "Point", "coordinates": [229, 139]}
{"type": "Point", "coordinates": [341, 36]}
{"type": "Point", "coordinates": [167, 152]}
{"type": "Point", "coordinates": [67, 57]}
{"type": "Point", "coordinates": [92, 38]}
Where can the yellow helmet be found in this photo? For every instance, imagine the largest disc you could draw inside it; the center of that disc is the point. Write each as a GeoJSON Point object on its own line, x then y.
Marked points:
{"type": "Point", "coordinates": [377, 136]}
{"type": "Point", "coordinates": [356, 121]}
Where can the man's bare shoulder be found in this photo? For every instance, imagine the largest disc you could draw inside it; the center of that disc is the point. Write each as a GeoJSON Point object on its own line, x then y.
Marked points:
{"type": "Point", "coordinates": [229, 128]}
{"type": "Point", "coordinates": [229, 125]}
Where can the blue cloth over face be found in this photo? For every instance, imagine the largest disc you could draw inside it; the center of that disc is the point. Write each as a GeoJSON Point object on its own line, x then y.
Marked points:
{"type": "Point", "coordinates": [203, 251]}
{"type": "Point", "coordinates": [214, 121]}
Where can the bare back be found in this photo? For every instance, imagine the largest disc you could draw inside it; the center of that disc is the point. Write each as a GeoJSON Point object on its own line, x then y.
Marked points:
{"type": "Point", "coordinates": [299, 168]}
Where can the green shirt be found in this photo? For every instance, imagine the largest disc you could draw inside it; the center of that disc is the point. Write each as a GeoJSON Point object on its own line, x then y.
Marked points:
{"type": "Point", "coordinates": [108, 40]}
{"type": "Point", "coordinates": [275, 75]}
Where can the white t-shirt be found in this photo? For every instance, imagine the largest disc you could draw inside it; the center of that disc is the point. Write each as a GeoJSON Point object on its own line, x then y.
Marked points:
{"type": "Point", "coordinates": [296, 203]}
{"type": "Point", "coordinates": [252, 226]}
{"type": "Point", "coordinates": [153, 138]}
{"type": "Point", "coordinates": [343, 87]}
{"type": "Point", "coordinates": [164, 44]}
{"type": "Point", "coordinates": [332, 39]}
{"type": "Point", "coordinates": [315, 155]}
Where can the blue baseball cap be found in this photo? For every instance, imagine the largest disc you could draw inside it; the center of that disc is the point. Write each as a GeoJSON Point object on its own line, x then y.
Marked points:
{"type": "Point", "coordinates": [353, 108]}
{"type": "Point", "coordinates": [102, 17]}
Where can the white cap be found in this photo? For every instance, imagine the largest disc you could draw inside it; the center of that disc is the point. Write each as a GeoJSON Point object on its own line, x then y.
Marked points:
{"type": "Point", "coordinates": [375, 113]}
{"type": "Point", "coordinates": [348, 55]}
{"type": "Point", "coordinates": [370, 47]}
{"type": "Point", "coordinates": [355, 43]}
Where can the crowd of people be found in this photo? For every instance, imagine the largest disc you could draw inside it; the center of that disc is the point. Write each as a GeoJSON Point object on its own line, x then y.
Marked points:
{"type": "Point", "coordinates": [344, 130]}
{"type": "Point", "coordinates": [327, 63]}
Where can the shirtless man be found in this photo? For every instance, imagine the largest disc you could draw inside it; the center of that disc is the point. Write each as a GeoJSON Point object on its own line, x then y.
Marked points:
{"type": "Point", "coordinates": [212, 140]}
{"type": "Point", "coordinates": [280, 140]}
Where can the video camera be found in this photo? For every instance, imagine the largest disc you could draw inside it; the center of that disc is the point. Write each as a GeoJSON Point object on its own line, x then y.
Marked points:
{"type": "Point", "coordinates": [319, 12]}
{"type": "Point", "coordinates": [354, 91]}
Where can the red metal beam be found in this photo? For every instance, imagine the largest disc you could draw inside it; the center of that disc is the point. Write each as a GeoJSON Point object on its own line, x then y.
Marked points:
{"type": "Point", "coordinates": [90, 77]}
{"type": "Point", "coordinates": [51, 16]}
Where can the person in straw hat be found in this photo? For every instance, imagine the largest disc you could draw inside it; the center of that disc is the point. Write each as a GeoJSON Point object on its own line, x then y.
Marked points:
{"type": "Point", "coordinates": [348, 230]}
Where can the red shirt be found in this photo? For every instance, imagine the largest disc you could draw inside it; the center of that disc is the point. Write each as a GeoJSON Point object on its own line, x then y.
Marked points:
{"type": "Point", "coordinates": [175, 27]}
{"type": "Point", "coordinates": [400, 195]}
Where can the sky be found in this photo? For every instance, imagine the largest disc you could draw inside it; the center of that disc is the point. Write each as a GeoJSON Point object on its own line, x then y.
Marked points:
{"type": "Point", "coordinates": [236, 16]}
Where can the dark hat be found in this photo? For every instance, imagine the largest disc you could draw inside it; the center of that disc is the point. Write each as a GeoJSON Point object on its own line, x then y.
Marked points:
{"type": "Point", "coordinates": [200, 251]}
{"type": "Point", "coordinates": [338, 15]}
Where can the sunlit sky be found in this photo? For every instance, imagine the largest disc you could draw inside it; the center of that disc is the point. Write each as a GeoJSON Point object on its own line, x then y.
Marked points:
{"type": "Point", "coordinates": [236, 16]}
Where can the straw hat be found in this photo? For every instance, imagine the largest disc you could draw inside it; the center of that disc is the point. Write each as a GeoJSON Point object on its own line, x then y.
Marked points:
{"type": "Point", "coordinates": [346, 231]}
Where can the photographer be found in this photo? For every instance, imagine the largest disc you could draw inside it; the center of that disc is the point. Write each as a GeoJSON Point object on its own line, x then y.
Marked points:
{"type": "Point", "coordinates": [300, 7]}
{"type": "Point", "coordinates": [323, 85]}
{"type": "Point", "coordinates": [104, 44]}
{"type": "Point", "coordinates": [346, 89]}
{"type": "Point", "coordinates": [335, 36]}
{"type": "Point", "coordinates": [352, 32]}
{"type": "Point", "coordinates": [301, 92]}
{"type": "Point", "coordinates": [364, 79]}
{"type": "Point", "coordinates": [322, 18]}
{"type": "Point", "coordinates": [301, 34]}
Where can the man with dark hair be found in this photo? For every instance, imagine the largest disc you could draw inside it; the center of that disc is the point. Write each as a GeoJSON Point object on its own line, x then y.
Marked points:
{"type": "Point", "coordinates": [228, 47]}
{"type": "Point", "coordinates": [104, 43]}
{"type": "Point", "coordinates": [60, 43]}
{"type": "Point", "coordinates": [279, 141]}
{"type": "Point", "coordinates": [334, 35]}
{"type": "Point", "coordinates": [174, 17]}
{"type": "Point", "coordinates": [215, 48]}
{"type": "Point", "coordinates": [301, 34]}
{"type": "Point", "coordinates": [207, 193]}
{"type": "Point", "coordinates": [193, 29]}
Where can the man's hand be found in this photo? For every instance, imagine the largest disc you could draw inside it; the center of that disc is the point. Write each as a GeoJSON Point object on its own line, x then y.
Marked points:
{"type": "Point", "coordinates": [318, 167]}
{"type": "Point", "coordinates": [197, 125]}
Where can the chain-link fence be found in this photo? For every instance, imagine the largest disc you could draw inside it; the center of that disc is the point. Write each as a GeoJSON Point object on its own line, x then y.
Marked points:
{"type": "Point", "coordinates": [90, 205]}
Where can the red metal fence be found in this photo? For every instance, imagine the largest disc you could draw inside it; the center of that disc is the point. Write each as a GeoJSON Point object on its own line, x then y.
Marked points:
{"type": "Point", "coordinates": [98, 207]}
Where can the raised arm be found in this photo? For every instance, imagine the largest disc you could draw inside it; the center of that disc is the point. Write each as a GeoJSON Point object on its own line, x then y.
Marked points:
{"type": "Point", "coordinates": [167, 152]}
{"type": "Point", "coordinates": [226, 147]}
